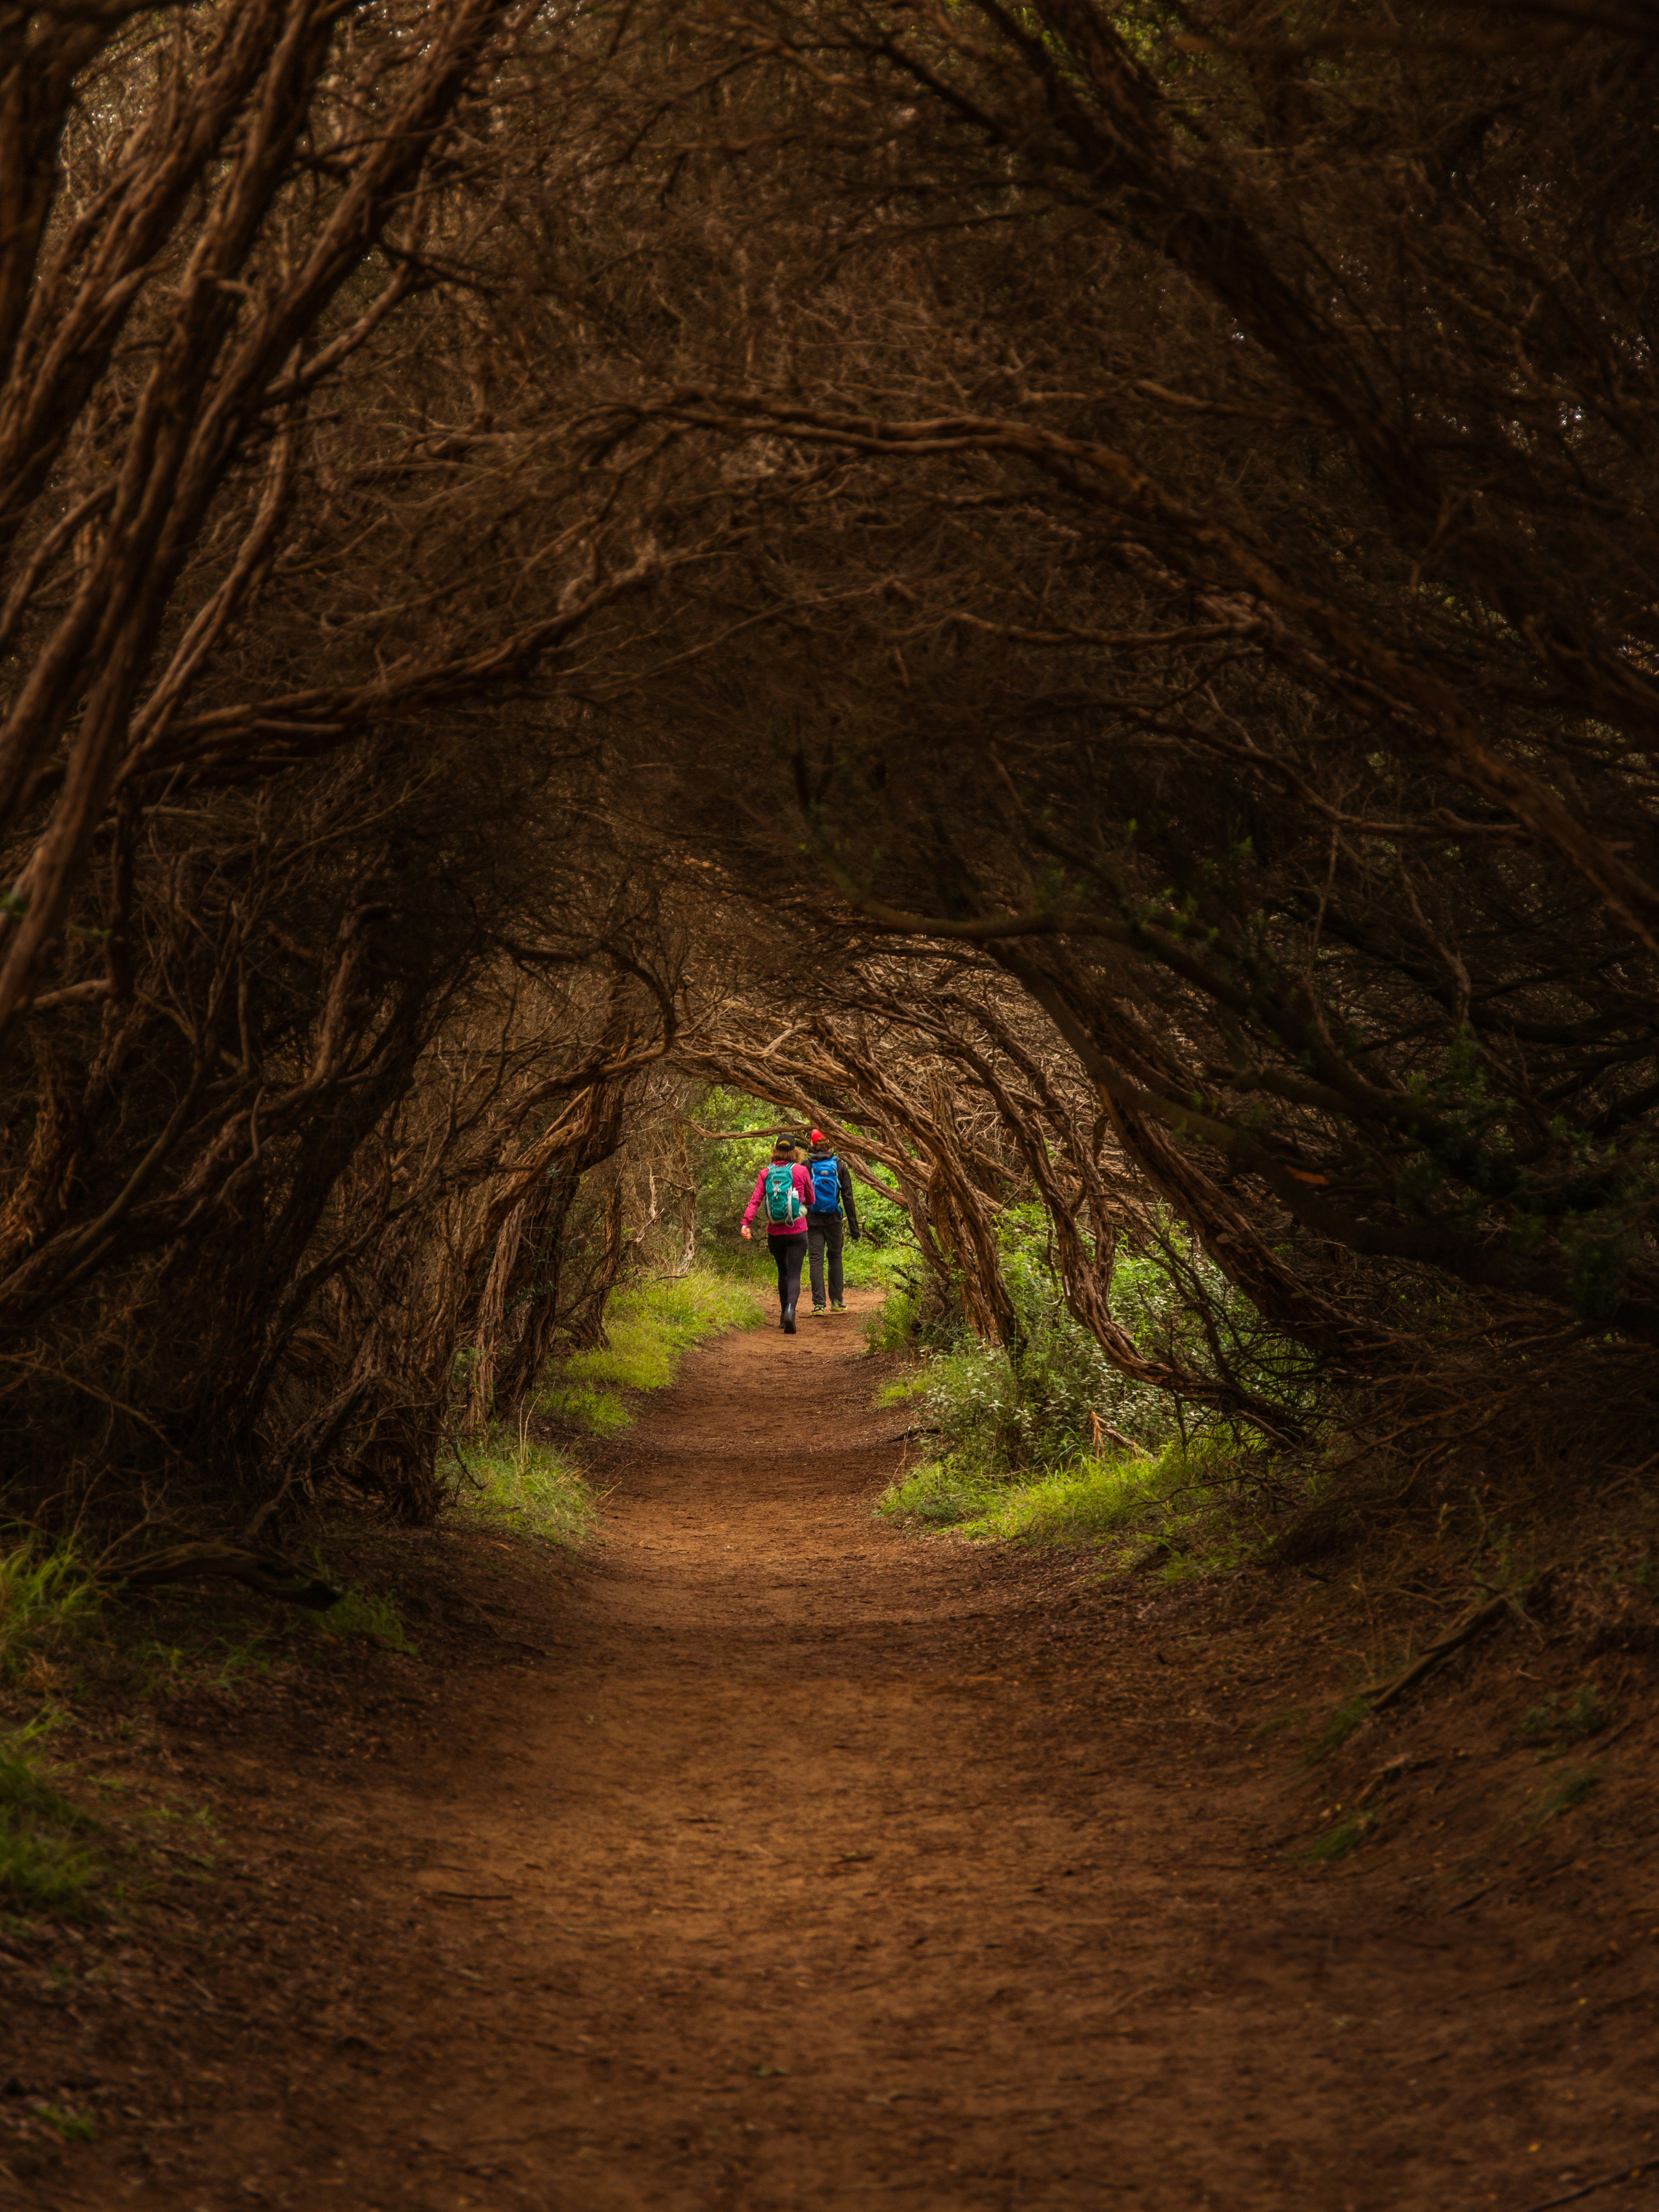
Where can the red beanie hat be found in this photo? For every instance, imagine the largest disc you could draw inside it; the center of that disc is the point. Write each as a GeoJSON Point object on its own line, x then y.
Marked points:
{"type": "Point", "coordinates": [818, 1136]}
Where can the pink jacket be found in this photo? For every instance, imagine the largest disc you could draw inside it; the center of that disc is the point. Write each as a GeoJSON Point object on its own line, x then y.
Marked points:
{"type": "Point", "coordinates": [802, 1191]}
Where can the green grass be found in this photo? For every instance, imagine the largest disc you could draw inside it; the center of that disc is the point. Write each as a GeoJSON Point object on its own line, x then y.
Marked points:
{"type": "Point", "coordinates": [44, 1866]}
{"type": "Point", "coordinates": [1119, 1497]}
{"type": "Point", "coordinates": [1339, 1728]}
{"type": "Point", "coordinates": [376, 1620]}
{"type": "Point", "coordinates": [649, 1328]}
{"type": "Point", "coordinates": [44, 1593]}
{"type": "Point", "coordinates": [528, 1489]}
{"type": "Point", "coordinates": [581, 1406]}
{"type": "Point", "coordinates": [73, 2127]}
{"type": "Point", "coordinates": [941, 1494]}
{"type": "Point", "coordinates": [1337, 1842]}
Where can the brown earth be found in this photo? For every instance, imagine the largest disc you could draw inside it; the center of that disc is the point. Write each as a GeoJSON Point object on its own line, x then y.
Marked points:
{"type": "Point", "coordinates": [779, 1859]}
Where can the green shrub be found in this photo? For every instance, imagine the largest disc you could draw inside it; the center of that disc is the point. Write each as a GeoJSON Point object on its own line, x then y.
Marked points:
{"type": "Point", "coordinates": [941, 1494]}
{"type": "Point", "coordinates": [1039, 1408]}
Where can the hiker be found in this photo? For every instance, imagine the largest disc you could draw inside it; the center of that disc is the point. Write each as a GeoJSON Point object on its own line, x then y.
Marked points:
{"type": "Point", "coordinates": [832, 1190]}
{"type": "Point", "coordinates": [787, 1188]}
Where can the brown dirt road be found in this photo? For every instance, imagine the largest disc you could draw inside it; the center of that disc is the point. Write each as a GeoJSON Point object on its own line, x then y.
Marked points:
{"type": "Point", "coordinates": [826, 1866]}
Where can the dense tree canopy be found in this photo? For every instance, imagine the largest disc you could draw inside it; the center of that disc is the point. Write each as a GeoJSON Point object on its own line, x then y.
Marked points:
{"type": "Point", "coordinates": [1067, 590]}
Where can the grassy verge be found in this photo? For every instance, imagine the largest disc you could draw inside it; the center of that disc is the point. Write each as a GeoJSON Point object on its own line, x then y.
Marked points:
{"type": "Point", "coordinates": [1169, 1508]}
{"type": "Point", "coordinates": [649, 1328]}
{"type": "Point", "coordinates": [509, 1484]}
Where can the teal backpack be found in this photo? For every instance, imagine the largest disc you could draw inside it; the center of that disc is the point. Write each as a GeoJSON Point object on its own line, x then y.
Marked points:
{"type": "Point", "coordinates": [782, 1202]}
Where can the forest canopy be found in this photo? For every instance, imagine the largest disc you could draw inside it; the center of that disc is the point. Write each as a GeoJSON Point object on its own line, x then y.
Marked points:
{"type": "Point", "coordinates": [1066, 593]}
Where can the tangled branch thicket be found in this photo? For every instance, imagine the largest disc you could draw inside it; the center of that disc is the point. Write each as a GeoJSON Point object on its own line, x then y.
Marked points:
{"type": "Point", "coordinates": [1067, 590]}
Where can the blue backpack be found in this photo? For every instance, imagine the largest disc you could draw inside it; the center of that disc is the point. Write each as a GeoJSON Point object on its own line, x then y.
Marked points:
{"type": "Point", "coordinates": [826, 1185]}
{"type": "Point", "coordinates": [782, 1202]}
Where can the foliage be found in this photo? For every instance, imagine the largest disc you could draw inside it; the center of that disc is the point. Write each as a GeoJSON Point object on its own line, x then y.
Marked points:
{"type": "Point", "coordinates": [532, 1489]}
{"type": "Point", "coordinates": [1047, 1399]}
{"type": "Point", "coordinates": [649, 1327]}
{"type": "Point", "coordinates": [44, 1864]}
{"type": "Point", "coordinates": [43, 1592]}
{"type": "Point", "coordinates": [1171, 1508]}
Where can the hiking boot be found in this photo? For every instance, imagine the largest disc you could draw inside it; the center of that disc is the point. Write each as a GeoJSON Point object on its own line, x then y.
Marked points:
{"type": "Point", "coordinates": [789, 1320]}
{"type": "Point", "coordinates": [837, 1305]}
{"type": "Point", "coordinates": [820, 1310]}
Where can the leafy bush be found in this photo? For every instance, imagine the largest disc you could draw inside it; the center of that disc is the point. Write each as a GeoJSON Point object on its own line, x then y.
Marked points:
{"type": "Point", "coordinates": [1042, 1408]}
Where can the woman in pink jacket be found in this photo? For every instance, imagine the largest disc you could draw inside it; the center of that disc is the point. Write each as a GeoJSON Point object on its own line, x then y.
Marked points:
{"type": "Point", "coordinates": [785, 1190]}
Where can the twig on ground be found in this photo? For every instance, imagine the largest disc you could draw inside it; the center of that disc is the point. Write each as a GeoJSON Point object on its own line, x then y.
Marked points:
{"type": "Point", "coordinates": [1607, 2180]}
{"type": "Point", "coordinates": [1383, 1694]}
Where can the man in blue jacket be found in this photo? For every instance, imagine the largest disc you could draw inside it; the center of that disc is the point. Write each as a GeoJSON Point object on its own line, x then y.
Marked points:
{"type": "Point", "coordinates": [832, 1194]}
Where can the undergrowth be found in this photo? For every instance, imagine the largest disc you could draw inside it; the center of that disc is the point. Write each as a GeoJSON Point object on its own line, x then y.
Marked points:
{"type": "Point", "coordinates": [44, 1866]}
{"type": "Point", "coordinates": [509, 1482]}
{"type": "Point", "coordinates": [1173, 1508]}
{"type": "Point", "coordinates": [46, 1595]}
{"type": "Point", "coordinates": [649, 1327]}
{"type": "Point", "coordinates": [1047, 1442]}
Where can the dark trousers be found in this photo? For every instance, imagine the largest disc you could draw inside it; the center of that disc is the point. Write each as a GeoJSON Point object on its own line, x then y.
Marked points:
{"type": "Point", "coordinates": [826, 1232]}
{"type": "Point", "coordinates": [787, 1253]}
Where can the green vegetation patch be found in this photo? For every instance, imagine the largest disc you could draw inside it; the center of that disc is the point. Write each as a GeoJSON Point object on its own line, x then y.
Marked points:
{"type": "Point", "coordinates": [1154, 1507]}
{"type": "Point", "coordinates": [45, 1593]}
{"type": "Point", "coordinates": [376, 1620]}
{"type": "Point", "coordinates": [44, 1866]}
{"type": "Point", "coordinates": [1344, 1836]}
{"type": "Point", "coordinates": [649, 1327]}
{"type": "Point", "coordinates": [528, 1489]}
{"type": "Point", "coordinates": [72, 2127]}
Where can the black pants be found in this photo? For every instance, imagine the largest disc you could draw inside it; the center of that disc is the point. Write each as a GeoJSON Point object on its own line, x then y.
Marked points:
{"type": "Point", "coordinates": [787, 1253]}
{"type": "Point", "coordinates": [826, 1232]}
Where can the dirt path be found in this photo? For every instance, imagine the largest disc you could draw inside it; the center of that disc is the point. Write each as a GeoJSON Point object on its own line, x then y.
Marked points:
{"type": "Point", "coordinates": [827, 1867]}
